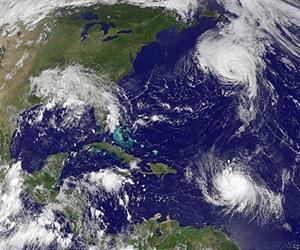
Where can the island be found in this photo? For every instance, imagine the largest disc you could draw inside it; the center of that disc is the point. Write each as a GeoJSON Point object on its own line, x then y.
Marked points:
{"type": "Point", "coordinates": [56, 42]}
{"type": "Point", "coordinates": [160, 169]}
{"type": "Point", "coordinates": [115, 150]}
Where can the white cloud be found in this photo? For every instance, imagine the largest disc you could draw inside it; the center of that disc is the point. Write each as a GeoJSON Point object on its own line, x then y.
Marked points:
{"type": "Point", "coordinates": [234, 51]}
{"type": "Point", "coordinates": [108, 179]}
{"type": "Point", "coordinates": [74, 88]}
{"type": "Point", "coordinates": [239, 193]}
{"type": "Point", "coordinates": [10, 190]}
{"type": "Point", "coordinates": [31, 12]}
{"type": "Point", "coordinates": [38, 232]}
{"type": "Point", "coordinates": [18, 227]}
{"type": "Point", "coordinates": [232, 188]}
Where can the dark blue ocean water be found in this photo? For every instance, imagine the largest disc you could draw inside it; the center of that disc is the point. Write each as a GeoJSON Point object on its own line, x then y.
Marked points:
{"type": "Point", "coordinates": [171, 76]}
{"type": "Point", "coordinates": [198, 116]}
{"type": "Point", "coordinates": [36, 140]}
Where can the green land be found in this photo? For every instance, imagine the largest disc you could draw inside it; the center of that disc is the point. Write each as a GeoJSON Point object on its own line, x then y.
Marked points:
{"type": "Point", "coordinates": [112, 57]}
{"type": "Point", "coordinates": [43, 185]}
{"type": "Point", "coordinates": [170, 235]}
{"type": "Point", "coordinates": [207, 12]}
{"type": "Point", "coordinates": [64, 47]}
{"type": "Point", "coordinates": [72, 204]}
{"type": "Point", "coordinates": [115, 150]}
{"type": "Point", "coordinates": [160, 169]}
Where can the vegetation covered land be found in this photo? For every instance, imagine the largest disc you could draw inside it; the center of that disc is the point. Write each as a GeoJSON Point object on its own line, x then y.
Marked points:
{"type": "Point", "coordinates": [112, 149]}
{"type": "Point", "coordinates": [96, 51]}
{"type": "Point", "coordinates": [160, 169]}
{"type": "Point", "coordinates": [169, 234]}
{"type": "Point", "coordinates": [43, 185]}
{"type": "Point", "coordinates": [57, 42]}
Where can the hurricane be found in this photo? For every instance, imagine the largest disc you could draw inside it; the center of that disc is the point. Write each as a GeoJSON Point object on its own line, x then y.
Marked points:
{"type": "Point", "coordinates": [230, 186]}
{"type": "Point", "coordinates": [149, 124]}
{"type": "Point", "coordinates": [235, 50]}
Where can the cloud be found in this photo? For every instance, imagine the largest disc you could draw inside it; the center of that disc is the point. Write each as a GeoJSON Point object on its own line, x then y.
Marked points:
{"type": "Point", "coordinates": [234, 51]}
{"type": "Point", "coordinates": [231, 187]}
{"type": "Point", "coordinates": [74, 88]}
{"type": "Point", "coordinates": [31, 12]}
{"type": "Point", "coordinates": [19, 228]}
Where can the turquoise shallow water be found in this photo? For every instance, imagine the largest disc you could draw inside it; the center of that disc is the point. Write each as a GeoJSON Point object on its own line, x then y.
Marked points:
{"type": "Point", "coordinates": [197, 117]}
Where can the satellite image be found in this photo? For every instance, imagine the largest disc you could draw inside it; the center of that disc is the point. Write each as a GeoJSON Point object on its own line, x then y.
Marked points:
{"type": "Point", "coordinates": [149, 124]}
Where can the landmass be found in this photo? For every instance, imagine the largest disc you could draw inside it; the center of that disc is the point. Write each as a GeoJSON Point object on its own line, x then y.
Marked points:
{"type": "Point", "coordinates": [65, 45]}
{"type": "Point", "coordinates": [2, 52]}
{"type": "Point", "coordinates": [209, 13]}
{"type": "Point", "coordinates": [43, 185]}
{"type": "Point", "coordinates": [160, 169]}
{"type": "Point", "coordinates": [56, 42]}
{"type": "Point", "coordinates": [72, 203]}
{"type": "Point", "coordinates": [169, 234]}
{"type": "Point", "coordinates": [206, 11]}
{"type": "Point", "coordinates": [20, 50]}
{"type": "Point", "coordinates": [115, 150]}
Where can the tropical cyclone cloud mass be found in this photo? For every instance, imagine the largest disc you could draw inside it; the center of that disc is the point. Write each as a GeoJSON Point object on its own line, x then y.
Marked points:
{"type": "Point", "coordinates": [139, 124]}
